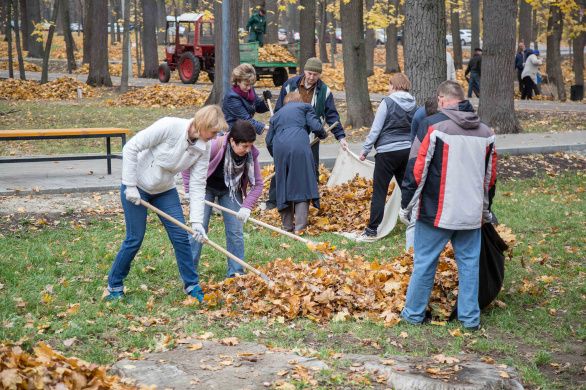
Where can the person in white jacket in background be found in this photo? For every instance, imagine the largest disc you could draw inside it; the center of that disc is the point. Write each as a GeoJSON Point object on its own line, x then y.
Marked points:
{"type": "Point", "coordinates": [150, 161]}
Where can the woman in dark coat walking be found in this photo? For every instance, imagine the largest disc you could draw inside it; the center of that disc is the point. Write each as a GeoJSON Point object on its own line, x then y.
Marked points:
{"type": "Point", "coordinates": [288, 142]}
{"type": "Point", "coordinates": [242, 102]}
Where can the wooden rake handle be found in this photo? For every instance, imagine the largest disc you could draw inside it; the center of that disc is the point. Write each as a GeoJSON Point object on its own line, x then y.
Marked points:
{"type": "Point", "coordinates": [208, 241]}
{"type": "Point", "coordinates": [270, 105]}
{"type": "Point", "coordinates": [263, 224]}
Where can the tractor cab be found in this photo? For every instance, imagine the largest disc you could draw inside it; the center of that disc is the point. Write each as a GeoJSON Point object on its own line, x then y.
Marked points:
{"type": "Point", "coordinates": [189, 47]}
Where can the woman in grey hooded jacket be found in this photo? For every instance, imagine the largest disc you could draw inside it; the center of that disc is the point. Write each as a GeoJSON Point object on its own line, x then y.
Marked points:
{"type": "Point", "coordinates": [390, 135]}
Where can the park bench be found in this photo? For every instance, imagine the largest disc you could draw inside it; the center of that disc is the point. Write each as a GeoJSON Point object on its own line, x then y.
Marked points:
{"type": "Point", "coordinates": [42, 134]}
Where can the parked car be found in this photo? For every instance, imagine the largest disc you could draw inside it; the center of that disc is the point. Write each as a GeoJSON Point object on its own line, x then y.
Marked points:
{"type": "Point", "coordinates": [76, 27]}
{"type": "Point", "coordinates": [338, 36]}
{"type": "Point", "coordinates": [465, 38]}
{"type": "Point", "coordinates": [381, 36]}
{"type": "Point", "coordinates": [297, 38]}
{"type": "Point", "coordinates": [282, 36]}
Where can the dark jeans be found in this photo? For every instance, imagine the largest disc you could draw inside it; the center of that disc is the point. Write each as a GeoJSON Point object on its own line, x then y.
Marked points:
{"type": "Point", "coordinates": [474, 84]}
{"type": "Point", "coordinates": [528, 88]}
{"type": "Point", "coordinates": [386, 165]}
{"type": "Point", "coordinates": [520, 80]}
{"type": "Point", "coordinates": [136, 219]}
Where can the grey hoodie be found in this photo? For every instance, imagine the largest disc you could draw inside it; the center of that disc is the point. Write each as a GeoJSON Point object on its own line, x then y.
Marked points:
{"type": "Point", "coordinates": [391, 127]}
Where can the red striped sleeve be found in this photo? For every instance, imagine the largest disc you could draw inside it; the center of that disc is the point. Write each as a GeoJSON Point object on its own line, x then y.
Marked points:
{"type": "Point", "coordinates": [442, 189]}
{"type": "Point", "coordinates": [421, 155]}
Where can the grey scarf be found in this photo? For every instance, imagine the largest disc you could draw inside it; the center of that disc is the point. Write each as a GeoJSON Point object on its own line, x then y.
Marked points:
{"type": "Point", "coordinates": [234, 170]}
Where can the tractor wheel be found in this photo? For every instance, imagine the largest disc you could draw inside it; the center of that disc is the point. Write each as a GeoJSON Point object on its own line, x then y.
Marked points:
{"type": "Point", "coordinates": [189, 68]}
{"type": "Point", "coordinates": [280, 76]}
{"type": "Point", "coordinates": [164, 73]}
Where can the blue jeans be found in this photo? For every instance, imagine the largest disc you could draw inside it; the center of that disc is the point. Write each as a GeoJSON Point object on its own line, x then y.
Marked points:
{"type": "Point", "coordinates": [136, 218]}
{"type": "Point", "coordinates": [233, 228]}
{"type": "Point", "coordinates": [429, 243]}
{"type": "Point", "coordinates": [474, 84]}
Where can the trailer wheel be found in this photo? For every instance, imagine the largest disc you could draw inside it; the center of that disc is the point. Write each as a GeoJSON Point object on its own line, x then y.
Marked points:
{"type": "Point", "coordinates": [280, 76]}
{"type": "Point", "coordinates": [189, 68]}
{"type": "Point", "coordinates": [164, 73]}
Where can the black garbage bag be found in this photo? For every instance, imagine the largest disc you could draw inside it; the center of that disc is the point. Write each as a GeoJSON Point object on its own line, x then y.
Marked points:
{"type": "Point", "coordinates": [491, 267]}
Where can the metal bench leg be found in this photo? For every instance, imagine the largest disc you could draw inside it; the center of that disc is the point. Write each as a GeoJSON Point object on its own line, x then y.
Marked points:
{"type": "Point", "coordinates": [109, 155]}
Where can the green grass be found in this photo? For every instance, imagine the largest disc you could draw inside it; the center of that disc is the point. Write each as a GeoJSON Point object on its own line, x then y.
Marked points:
{"type": "Point", "coordinates": [541, 324]}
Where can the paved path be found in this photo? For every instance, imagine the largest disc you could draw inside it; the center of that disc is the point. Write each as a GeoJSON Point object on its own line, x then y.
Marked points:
{"type": "Point", "coordinates": [338, 95]}
{"type": "Point", "coordinates": [89, 176]}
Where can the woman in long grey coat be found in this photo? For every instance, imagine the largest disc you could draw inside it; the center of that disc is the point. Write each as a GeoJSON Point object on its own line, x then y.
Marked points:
{"type": "Point", "coordinates": [288, 142]}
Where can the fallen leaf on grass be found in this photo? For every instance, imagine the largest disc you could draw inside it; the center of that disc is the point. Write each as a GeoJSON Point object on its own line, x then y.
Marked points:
{"type": "Point", "coordinates": [205, 336]}
{"type": "Point", "coordinates": [504, 374]}
{"type": "Point", "coordinates": [69, 342]}
{"type": "Point", "coordinates": [230, 341]}
{"type": "Point", "coordinates": [404, 335]}
{"type": "Point", "coordinates": [388, 362]}
{"type": "Point", "coordinates": [195, 347]}
{"type": "Point", "coordinates": [441, 358]}
{"type": "Point", "coordinates": [456, 332]}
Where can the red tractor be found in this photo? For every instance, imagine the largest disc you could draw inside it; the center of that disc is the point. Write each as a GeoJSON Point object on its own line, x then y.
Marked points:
{"type": "Point", "coordinates": [189, 49]}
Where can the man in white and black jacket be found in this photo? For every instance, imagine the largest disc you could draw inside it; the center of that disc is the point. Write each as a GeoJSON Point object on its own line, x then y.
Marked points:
{"type": "Point", "coordinates": [451, 169]}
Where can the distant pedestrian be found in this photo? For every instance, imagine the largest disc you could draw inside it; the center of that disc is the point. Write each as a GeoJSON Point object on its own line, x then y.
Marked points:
{"type": "Point", "coordinates": [450, 67]}
{"type": "Point", "coordinates": [474, 69]}
{"type": "Point", "coordinates": [257, 26]}
{"type": "Point", "coordinates": [519, 61]}
{"type": "Point", "coordinates": [529, 75]}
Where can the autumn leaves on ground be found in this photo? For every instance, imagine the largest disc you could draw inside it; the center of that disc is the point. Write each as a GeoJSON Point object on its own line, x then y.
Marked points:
{"type": "Point", "coordinates": [347, 303]}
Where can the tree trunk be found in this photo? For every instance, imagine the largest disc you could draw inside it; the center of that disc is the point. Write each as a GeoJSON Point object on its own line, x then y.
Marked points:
{"type": "Point", "coordinates": [111, 22]}
{"type": "Point", "coordinates": [272, 12]}
{"type": "Point", "coordinates": [137, 38]}
{"type": "Point", "coordinates": [497, 107]}
{"type": "Point", "coordinates": [525, 27]}
{"type": "Point", "coordinates": [456, 42]}
{"type": "Point", "coordinates": [217, 93]}
{"type": "Point", "coordinates": [87, 32]}
{"type": "Point", "coordinates": [69, 43]}
{"type": "Point", "coordinates": [358, 102]}
{"type": "Point", "coordinates": [3, 19]}
{"type": "Point", "coordinates": [553, 61]}
{"type": "Point", "coordinates": [149, 39]}
{"type": "Point", "coordinates": [9, 39]}
{"type": "Point", "coordinates": [161, 15]}
{"type": "Point", "coordinates": [323, 31]}
{"type": "Point", "coordinates": [307, 31]}
{"type": "Point", "coordinates": [334, 42]}
{"type": "Point", "coordinates": [34, 46]}
{"type": "Point", "coordinates": [117, 17]}
{"type": "Point", "coordinates": [391, 50]}
{"type": "Point", "coordinates": [534, 30]}
{"type": "Point", "coordinates": [99, 73]}
{"type": "Point", "coordinates": [475, 10]}
{"type": "Point", "coordinates": [245, 14]}
{"type": "Point", "coordinates": [45, 71]}
{"type": "Point", "coordinates": [125, 47]}
{"type": "Point", "coordinates": [578, 48]}
{"type": "Point", "coordinates": [369, 43]}
{"type": "Point", "coordinates": [425, 54]}
{"type": "Point", "coordinates": [17, 39]}
{"type": "Point", "coordinates": [24, 25]}
{"type": "Point", "coordinates": [292, 20]}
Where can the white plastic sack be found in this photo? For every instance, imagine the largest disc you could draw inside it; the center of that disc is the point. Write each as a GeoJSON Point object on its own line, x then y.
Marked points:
{"type": "Point", "coordinates": [347, 166]}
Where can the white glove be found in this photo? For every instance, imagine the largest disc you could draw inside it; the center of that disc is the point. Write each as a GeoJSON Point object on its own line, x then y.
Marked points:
{"type": "Point", "coordinates": [243, 214]}
{"type": "Point", "coordinates": [132, 195]}
{"type": "Point", "coordinates": [405, 216]}
{"type": "Point", "coordinates": [344, 144]}
{"type": "Point", "coordinates": [199, 233]}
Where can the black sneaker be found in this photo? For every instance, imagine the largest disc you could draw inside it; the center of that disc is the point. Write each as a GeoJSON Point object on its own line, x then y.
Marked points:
{"type": "Point", "coordinates": [270, 205]}
{"type": "Point", "coordinates": [473, 328]}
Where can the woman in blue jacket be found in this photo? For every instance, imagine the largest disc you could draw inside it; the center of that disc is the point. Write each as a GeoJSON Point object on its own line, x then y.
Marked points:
{"type": "Point", "coordinates": [241, 101]}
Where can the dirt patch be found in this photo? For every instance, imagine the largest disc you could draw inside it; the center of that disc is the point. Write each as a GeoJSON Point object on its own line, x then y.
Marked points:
{"type": "Point", "coordinates": [528, 166]}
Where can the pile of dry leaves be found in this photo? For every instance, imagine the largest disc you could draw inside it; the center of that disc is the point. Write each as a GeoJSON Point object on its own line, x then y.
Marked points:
{"type": "Point", "coordinates": [63, 88]}
{"type": "Point", "coordinates": [47, 369]}
{"type": "Point", "coordinates": [343, 208]}
{"type": "Point", "coordinates": [334, 78]}
{"type": "Point", "coordinates": [275, 53]}
{"type": "Point", "coordinates": [336, 288]}
{"type": "Point", "coordinates": [115, 70]}
{"type": "Point", "coordinates": [169, 96]}
{"type": "Point", "coordinates": [28, 66]}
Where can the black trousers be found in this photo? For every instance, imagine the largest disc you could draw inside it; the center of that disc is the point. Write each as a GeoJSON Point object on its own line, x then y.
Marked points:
{"type": "Point", "coordinates": [386, 165]}
{"type": "Point", "coordinates": [272, 200]}
{"type": "Point", "coordinates": [520, 80]}
{"type": "Point", "coordinates": [528, 88]}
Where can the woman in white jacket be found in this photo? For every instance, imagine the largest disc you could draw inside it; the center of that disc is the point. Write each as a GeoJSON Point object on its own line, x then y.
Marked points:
{"type": "Point", "coordinates": [529, 74]}
{"type": "Point", "coordinates": [150, 161]}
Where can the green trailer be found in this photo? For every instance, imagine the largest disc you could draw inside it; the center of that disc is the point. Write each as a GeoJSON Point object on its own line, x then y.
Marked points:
{"type": "Point", "coordinates": [278, 71]}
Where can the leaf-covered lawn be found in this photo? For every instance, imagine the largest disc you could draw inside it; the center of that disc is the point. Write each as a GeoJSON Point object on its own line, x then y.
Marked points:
{"type": "Point", "coordinates": [52, 276]}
